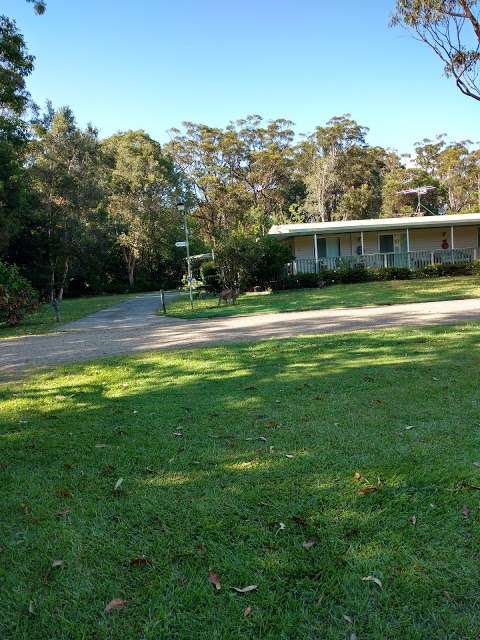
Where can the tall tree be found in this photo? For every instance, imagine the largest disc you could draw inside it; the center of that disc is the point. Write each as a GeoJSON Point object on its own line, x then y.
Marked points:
{"type": "Point", "coordinates": [64, 177]}
{"type": "Point", "coordinates": [15, 65]}
{"type": "Point", "coordinates": [141, 184]}
{"type": "Point", "coordinates": [452, 29]}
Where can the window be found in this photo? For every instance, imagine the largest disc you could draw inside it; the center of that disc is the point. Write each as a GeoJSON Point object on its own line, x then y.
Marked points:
{"type": "Point", "coordinates": [328, 247]}
{"type": "Point", "coordinates": [386, 243]}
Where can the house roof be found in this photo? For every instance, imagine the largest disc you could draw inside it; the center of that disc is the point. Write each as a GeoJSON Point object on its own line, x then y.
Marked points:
{"type": "Point", "coordinates": [373, 224]}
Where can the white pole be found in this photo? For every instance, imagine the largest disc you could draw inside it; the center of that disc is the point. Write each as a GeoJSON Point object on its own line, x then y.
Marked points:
{"type": "Point", "coordinates": [408, 247]}
{"type": "Point", "coordinates": [189, 266]}
{"type": "Point", "coordinates": [363, 244]}
{"type": "Point", "coordinates": [315, 251]}
{"type": "Point", "coordinates": [451, 237]}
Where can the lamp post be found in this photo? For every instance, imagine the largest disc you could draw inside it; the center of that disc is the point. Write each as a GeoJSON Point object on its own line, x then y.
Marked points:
{"type": "Point", "coordinates": [182, 210]}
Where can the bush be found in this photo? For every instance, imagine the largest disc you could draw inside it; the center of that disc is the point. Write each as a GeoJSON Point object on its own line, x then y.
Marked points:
{"type": "Point", "coordinates": [394, 273]}
{"type": "Point", "coordinates": [210, 275]}
{"type": "Point", "coordinates": [246, 262]}
{"type": "Point", "coordinates": [304, 281]}
{"type": "Point", "coordinates": [347, 273]}
{"type": "Point", "coordinates": [17, 296]}
{"type": "Point", "coordinates": [441, 270]}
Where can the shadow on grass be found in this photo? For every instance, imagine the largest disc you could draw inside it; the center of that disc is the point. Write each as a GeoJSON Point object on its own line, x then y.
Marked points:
{"type": "Point", "coordinates": [201, 439]}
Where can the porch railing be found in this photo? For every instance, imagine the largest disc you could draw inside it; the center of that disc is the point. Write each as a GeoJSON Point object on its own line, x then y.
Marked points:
{"type": "Point", "coordinates": [412, 260]}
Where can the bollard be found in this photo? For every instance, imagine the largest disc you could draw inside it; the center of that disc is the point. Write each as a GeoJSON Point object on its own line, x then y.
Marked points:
{"type": "Point", "coordinates": [162, 296]}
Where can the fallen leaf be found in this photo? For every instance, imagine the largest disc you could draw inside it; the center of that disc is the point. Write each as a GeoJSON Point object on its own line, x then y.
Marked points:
{"type": "Point", "coordinates": [59, 397]}
{"type": "Point", "coordinates": [178, 434]}
{"type": "Point", "coordinates": [410, 426]}
{"type": "Point", "coordinates": [368, 488]}
{"type": "Point", "coordinates": [118, 484]}
{"type": "Point", "coordinates": [125, 385]}
{"type": "Point", "coordinates": [477, 464]}
{"type": "Point", "coordinates": [436, 379]}
{"type": "Point", "coordinates": [357, 476]}
{"type": "Point", "coordinates": [308, 544]}
{"type": "Point", "coordinates": [465, 511]}
{"type": "Point", "coordinates": [65, 493]}
{"type": "Point", "coordinates": [57, 563]}
{"type": "Point", "coordinates": [30, 607]}
{"type": "Point", "coordinates": [262, 438]}
{"type": "Point", "coordinates": [348, 619]}
{"type": "Point", "coordinates": [214, 580]}
{"type": "Point", "coordinates": [247, 611]}
{"type": "Point", "coordinates": [271, 424]}
{"type": "Point", "coordinates": [281, 527]}
{"type": "Point", "coordinates": [139, 562]}
{"type": "Point", "coordinates": [251, 587]}
{"type": "Point", "coordinates": [288, 455]}
{"type": "Point", "coordinates": [116, 603]}
{"type": "Point", "coordinates": [373, 579]}
{"type": "Point", "coordinates": [413, 520]}
{"type": "Point", "coordinates": [63, 513]}
{"type": "Point", "coordinates": [100, 446]}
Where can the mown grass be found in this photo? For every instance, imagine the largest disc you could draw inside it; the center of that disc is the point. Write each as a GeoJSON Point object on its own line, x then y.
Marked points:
{"type": "Point", "coordinates": [231, 459]}
{"type": "Point", "coordinates": [343, 295]}
{"type": "Point", "coordinates": [43, 320]}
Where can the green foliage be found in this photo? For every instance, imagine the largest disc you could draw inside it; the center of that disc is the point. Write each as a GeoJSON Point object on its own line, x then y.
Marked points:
{"type": "Point", "coordinates": [210, 275]}
{"type": "Point", "coordinates": [440, 270]}
{"type": "Point", "coordinates": [451, 28]}
{"type": "Point", "coordinates": [17, 296]}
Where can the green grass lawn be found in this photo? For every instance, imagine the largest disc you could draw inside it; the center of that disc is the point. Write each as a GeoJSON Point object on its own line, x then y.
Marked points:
{"type": "Point", "coordinates": [43, 320]}
{"type": "Point", "coordinates": [364, 447]}
{"type": "Point", "coordinates": [342, 295]}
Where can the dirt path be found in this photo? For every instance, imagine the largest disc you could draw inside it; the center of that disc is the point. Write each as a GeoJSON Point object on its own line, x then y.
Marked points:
{"type": "Point", "coordinates": [133, 327]}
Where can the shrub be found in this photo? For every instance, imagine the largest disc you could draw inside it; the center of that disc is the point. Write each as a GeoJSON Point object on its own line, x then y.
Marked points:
{"type": "Point", "coordinates": [210, 275]}
{"type": "Point", "coordinates": [246, 262]}
{"type": "Point", "coordinates": [17, 296]}
{"type": "Point", "coordinates": [394, 273]}
{"type": "Point", "coordinates": [304, 281]}
{"type": "Point", "coordinates": [347, 273]}
{"type": "Point", "coordinates": [441, 270]}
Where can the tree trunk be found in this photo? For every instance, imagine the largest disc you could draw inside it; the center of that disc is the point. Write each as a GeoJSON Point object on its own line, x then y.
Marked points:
{"type": "Point", "coordinates": [64, 279]}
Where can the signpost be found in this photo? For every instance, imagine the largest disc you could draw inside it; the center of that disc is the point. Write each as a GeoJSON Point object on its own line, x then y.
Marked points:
{"type": "Point", "coordinates": [181, 209]}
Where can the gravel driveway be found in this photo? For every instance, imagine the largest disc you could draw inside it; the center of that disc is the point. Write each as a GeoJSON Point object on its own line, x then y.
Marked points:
{"type": "Point", "coordinates": [133, 327]}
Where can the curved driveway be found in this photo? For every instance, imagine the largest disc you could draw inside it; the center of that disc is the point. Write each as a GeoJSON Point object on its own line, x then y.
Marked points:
{"type": "Point", "coordinates": [134, 326]}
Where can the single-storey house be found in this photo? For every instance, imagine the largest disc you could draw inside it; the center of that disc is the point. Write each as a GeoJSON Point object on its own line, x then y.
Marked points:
{"type": "Point", "coordinates": [382, 242]}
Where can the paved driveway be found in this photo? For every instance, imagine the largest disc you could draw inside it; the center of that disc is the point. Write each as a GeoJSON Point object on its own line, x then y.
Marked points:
{"type": "Point", "coordinates": [133, 327]}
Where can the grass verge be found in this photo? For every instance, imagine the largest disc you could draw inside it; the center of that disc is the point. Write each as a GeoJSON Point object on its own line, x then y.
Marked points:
{"type": "Point", "coordinates": [364, 448]}
{"type": "Point", "coordinates": [43, 320]}
{"type": "Point", "coordinates": [342, 295]}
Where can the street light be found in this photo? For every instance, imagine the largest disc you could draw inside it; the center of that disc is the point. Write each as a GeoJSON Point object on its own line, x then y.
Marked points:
{"type": "Point", "coordinates": [182, 210]}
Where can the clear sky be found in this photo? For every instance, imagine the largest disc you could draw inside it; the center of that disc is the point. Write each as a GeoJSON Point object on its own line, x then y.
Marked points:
{"type": "Point", "coordinates": [152, 64]}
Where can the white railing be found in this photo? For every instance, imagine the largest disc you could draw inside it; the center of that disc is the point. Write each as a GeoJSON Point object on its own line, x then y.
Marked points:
{"type": "Point", "coordinates": [412, 260]}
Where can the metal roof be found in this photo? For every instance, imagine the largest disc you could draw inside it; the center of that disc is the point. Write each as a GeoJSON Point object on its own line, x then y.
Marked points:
{"type": "Point", "coordinates": [373, 224]}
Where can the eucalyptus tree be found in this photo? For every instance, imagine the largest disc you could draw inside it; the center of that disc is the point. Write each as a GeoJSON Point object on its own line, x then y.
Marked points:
{"type": "Point", "coordinates": [140, 185]}
{"type": "Point", "coordinates": [451, 28]}
{"type": "Point", "coordinates": [242, 176]}
{"type": "Point", "coordinates": [342, 174]}
{"type": "Point", "coordinates": [64, 165]}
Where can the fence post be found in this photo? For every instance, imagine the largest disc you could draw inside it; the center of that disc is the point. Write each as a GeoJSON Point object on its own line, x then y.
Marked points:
{"type": "Point", "coordinates": [162, 297]}
{"type": "Point", "coordinates": [432, 259]}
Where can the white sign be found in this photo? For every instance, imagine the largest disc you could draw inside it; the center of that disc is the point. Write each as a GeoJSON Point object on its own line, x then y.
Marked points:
{"type": "Point", "coordinates": [181, 244]}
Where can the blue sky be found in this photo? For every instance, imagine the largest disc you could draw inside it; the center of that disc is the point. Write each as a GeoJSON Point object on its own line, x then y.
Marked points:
{"type": "Point", "coordinates": [152, 64]}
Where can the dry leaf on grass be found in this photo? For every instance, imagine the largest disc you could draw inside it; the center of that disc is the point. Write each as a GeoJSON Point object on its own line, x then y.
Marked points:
{"type": "Point", "coordinates": [116, 603]}
{"type": "Point", "coordinates": [63, 513]}
{"type": "Point", "coordinates": [410, 426]}
{"type": "Point", "coordinates": [30, 607]}
{"type": "Point", "coordinates": [247, 611]}
{"type": "Point", "coordinates": [413, 520]}
{"type": "Point", "coordinates": [251, 587]}
{"type": "Point", "coordinates": [308, 544]}
{"type": "Point", "coordinates": [139, 562]}
{"type": "Point", "coordinates": [373, 579]}
{"type": "Point", "coordinates": [368, 488]}
{"type": "Point", "coordinates": [118, 484]}
{"type": "Point", "coordinates": [348, 619]}
{"type": "Point", "coordinates": [60, 397]}
{"type": "Point", "coordinates": [100, 446]}
{"type": "Point", "coordinates": [288, 455]}
{"type": "Point", "coordinates": [214, 580]}
{"type": "Point", "coordinates": [57, 563]}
